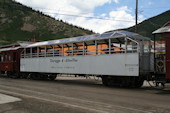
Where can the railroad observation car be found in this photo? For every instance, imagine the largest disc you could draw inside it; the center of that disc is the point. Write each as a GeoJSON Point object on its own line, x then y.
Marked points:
{"type": "Point", "coordinates": [164, 72]}
{"type": "Point", "coordinates": [10, 58]}
{"type": "Point", "coordinates": [119, 57]}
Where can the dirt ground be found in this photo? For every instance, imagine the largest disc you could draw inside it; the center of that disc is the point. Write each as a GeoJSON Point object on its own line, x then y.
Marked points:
{"type": "Point", "coordinates": [80, 95]}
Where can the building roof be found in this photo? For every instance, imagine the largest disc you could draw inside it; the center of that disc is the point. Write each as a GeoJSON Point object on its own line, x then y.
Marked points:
{"type": "Point", "coordinates": [164, 29]}
{"type": "Point", "coordinates": [112, 35]}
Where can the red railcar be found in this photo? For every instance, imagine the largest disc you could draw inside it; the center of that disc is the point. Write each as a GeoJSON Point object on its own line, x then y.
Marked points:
{"type": "Point", "coordinates": [10, 58]}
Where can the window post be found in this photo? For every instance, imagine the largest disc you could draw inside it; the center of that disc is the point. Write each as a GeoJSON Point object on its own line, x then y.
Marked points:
{"type": "Point", "coordinates": [53, 50]}
{"type": "Point", "coordinates": [62, 50]}
{"type": "Point", "coordinates": [72, 50]}
{"type": "Point", "coordinates": [150, 46]}
{"type": "Point", "coordinates": [83, 48]}
{"type": "Point", "coordinates": [31, 52]}
{"type": "Point", "coordinates": [24, 53]}
{"type": "Point", "coordinates": [109, 46]}
{"type": "Point", "coordinates": [45, 51]}
{"type": "Point", "coordinates": [125, 45]}
{"type": "Point", "coordinates": [38, 51]}
{"type": "Point", "coordinates": [96, 49]}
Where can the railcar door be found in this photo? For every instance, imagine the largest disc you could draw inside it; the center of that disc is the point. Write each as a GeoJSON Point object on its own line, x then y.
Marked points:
{"type": "Point", "coordinates": [14, 61]}
{"type": "Point", "coordinates": [167, 57]}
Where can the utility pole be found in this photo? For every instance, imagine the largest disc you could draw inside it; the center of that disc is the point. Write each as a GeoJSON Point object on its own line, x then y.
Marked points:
{"type": "Point", "coordinates": [136, 27]}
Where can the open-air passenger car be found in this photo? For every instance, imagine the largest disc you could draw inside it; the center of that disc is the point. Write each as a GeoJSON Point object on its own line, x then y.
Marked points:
{"type": "Point", "coordinates": [119, 57]}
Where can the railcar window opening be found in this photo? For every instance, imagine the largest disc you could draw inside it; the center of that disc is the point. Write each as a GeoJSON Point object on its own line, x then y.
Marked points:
{"type": "Point", "coordinates": [27, 53]}
{"type": "Point", "coordinates": [49, 51]}
{"type": "Point", "coordinates": [131, 45]}
{"type": "Point", "coordinates": [90, 48]}
{"type": "Point", "coordinates": [0, 57]}
{"type": "Point", "coordinates": [102, 47]}
{"type": "Point", "coordinates": [78, 49]}
{"type": "Point", "coordinates": [69, 49]}
{"type": "Point", "coordinates": [9, 56]}
{"type": "Point", "coordinates": [23, 53]}
{"type": "Point", "coordinates": [42, 51]}
{"type": "Point", "coordinates": [65, 51]}
{"type": "Point", "coordinates": [34, 52]}
{"type": "Point", "coordinates": [57, 50]}
{"type": "Point", "coordinates": [14, 56]}
{"type": "Point", "coordinates": [147, 46]}
{"type": "Point", "coordinates": [6, 57]}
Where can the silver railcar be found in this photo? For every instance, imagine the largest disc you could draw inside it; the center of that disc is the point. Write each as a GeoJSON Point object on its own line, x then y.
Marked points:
{"type": "Point", "coordinates": [119, 57]}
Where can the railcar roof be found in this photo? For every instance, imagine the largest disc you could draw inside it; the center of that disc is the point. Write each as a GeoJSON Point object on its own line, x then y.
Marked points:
{"type": "Point", "coordinates": [10, 49]}
{"type": "Point", "coordinates": [15, 46]}
{"type": "Point", "coordinates": [112, 35]}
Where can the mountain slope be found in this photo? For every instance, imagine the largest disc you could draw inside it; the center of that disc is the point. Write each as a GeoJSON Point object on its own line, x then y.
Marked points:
{"type": "Point", "coordinates": [18, 22]}
{"type": "Point", "coordinates": [146, 27]}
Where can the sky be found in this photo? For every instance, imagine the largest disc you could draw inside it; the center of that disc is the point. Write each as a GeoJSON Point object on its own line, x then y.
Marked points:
{"type": "Point", "coordinates": [99, 15]}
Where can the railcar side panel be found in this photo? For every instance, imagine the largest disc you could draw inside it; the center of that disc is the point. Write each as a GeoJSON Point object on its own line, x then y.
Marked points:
{"type": "Point", "coordinates": [6, 63]}
{"type": "Point", "coordinates": [117, 64]}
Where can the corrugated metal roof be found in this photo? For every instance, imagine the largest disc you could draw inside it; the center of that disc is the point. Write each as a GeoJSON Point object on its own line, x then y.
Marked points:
{"type": "Point", "coordinates": [115, 34]}
{"type": "Point", "coordinates": [165, 29]}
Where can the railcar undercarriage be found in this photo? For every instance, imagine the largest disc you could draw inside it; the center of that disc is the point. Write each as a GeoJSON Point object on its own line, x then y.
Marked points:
{"type": "Point", "coordinates": [135, 82]}
{"type": "Point", "coordinates": [155, 81]}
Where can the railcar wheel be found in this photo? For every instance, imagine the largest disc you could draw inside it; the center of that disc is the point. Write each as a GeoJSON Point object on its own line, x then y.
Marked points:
{"type": "Point", "coordinates": [13, 75]}
{"type": "Point", "coordinates": [137, 82]}
{"type": "Point", "coordinates": [16, 75]}
{"type": "Point", "coordinates": [44, 77]}
{"type": "Point", "coordinates": [52, 77]}
{"type": "Point", "coordinates": [9, 74]}
{"type": "Point", "coordinates": [0, 73]}
{"type": "Point", "coordinates": [105, 80]}
{"type": "Point", "coordinates": [35, 76]}
{"type": "Point", "coordinates": [128, 82]}
{"type": "Point", "coordinates": [25, 75]}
